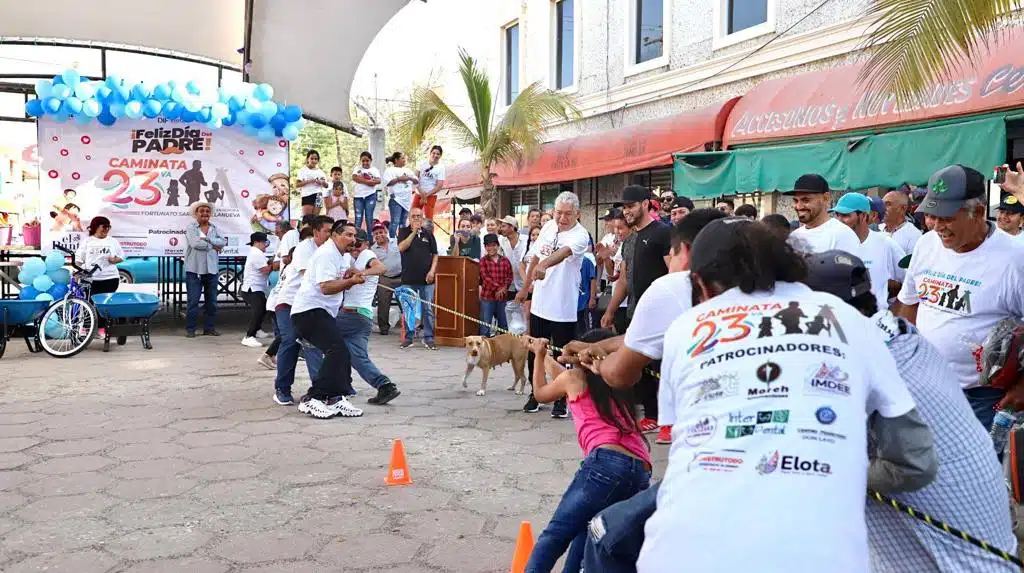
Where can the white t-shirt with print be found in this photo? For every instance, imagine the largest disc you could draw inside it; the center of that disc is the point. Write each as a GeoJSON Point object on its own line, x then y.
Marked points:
{"type": "Point", "coordinates": [617, 262]}
{"type": "Point", "coordinates": [514, 256]}
{"type": "Point", "coordinates": [429, 179]}
{"type": "Point", "coordinates": [293, 277]}
{"type": "Point", "coordinates": [608, 240]}
{"type": "Point", "coordinates": [94, 251]}
{"type": "Point", "coordinates": [832, 234]}
{"type": "Point", "coordinates": [881, 255]}
{"type": "Point", "coordinates": [401, 192]}
{"type": "Point", "coordinates": [307, 174]}
{"type": "Point", "coordinates": [327, 264]}
{"type": "Point", "coordinates": [253, 279]}
{"type": "Point", "coordinates": [769, 395]}
{"type": "Point", "coordinates": [289, 241]}
{"type": "Point", "coordinates": [906, 236]}
{"type": "Point", "coordinates": [960, 297]}
{"type": "Point", "coordinates": [361, 296]}
{"type": "Point", "coordinates": [361, 190]}
{"type": "Point", "coordinates": [662, 303]}
{"type": "Point", "coordinates": [555, 298]}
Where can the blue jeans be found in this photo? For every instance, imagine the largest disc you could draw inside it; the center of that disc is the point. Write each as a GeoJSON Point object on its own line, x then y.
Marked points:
{"type": "Point", "coordinates": [983, 401]}
{"type": "Point", "coordinates": [196, 286]}
{"type": "Point", "coordinates": [288, 353]}
{"type": "Point", "coordinates": [605, 477]}
{"type": "Point", "coordinates": [398, 217]}
{"type": "Point", "coordinates": [364, 208]}
{"type": "Point", "coordinates": [614, 546]}
{"type": "Point", "coordinates": [356, 329]}
{"type": "Point", "coordinates": [489, 310]}
{"type": "Point", "coordinates": [425, 292]}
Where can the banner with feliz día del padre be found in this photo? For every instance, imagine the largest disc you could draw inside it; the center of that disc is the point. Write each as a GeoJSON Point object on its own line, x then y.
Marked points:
{"type": "Point", "coordinates": [144, 174]}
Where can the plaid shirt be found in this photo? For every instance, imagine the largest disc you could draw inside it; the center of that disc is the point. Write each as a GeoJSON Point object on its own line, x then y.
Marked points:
{"type": "Point", "coordinates": [495, 278]}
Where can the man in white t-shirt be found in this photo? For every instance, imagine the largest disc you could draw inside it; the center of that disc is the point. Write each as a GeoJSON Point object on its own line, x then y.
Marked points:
{"type": "Point", "coordinates": [818, 232]}
{"type": "Point", "coordinates": [553, 271]}
{"type": "Point", "coordinates": [514, 248]}
{"type": "Point", "coordinates": [432, 179]}
{"type": "Point", "coordinates": [906, 235]}
{"type": "Point", "coordinates": [963, 279]}
{"type": "Point", "coordinates": [770, 393]}
{"type": "Point", "coordinates": [880, 253]}
{"type": "Point", "coordinates": [355, 321]}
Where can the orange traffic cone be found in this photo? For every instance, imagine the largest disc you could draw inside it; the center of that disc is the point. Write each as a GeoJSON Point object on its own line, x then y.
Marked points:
{"type": "Point", "coordinates": [398, 471]}
{"type": "Point", "coordinates": [524, 547]}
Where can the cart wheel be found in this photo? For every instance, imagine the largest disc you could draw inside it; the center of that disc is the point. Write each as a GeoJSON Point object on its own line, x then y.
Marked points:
{"type": "Point", "coordinates": [67, 327]}
{"type": "Point", "coordinates": [145, 336]}
{"type": "Point", "coordinates": [3, 344]}
{"type": "Point", "coordinates": [122, 340]}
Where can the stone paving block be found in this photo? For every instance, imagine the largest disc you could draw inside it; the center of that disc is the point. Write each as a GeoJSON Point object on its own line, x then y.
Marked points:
{"type": "Point", "coordinates": [203, 439]}
{"type": "Point", "coordinates": [144, 435]}
{"type": "Point", "coordinates": [295, 456]}
{"type": "Point", "coordinates": [20, 418]}
{"type": "Point", "coordinates": [202, 418]}
{"type": "Point", "coordinates": [493, 500]}
{"type": "Point", "coordinates": [256, 490]}
{"type": "Point", "coordinates": [261, 415]}
{"type": "Point", "coordinates": [440, 525]}
{"type": "Point", "coordinates": [70, 484]}
{"type": "Point", "coordinates": [180, 565]}
{"type": "Point", "coordinates": [19, 430]}
{"type": "Point", "coordinates": [276, 426]}
{"type": "Point", "coordinates": [264, 546]}
{"type": "Point", "coordinates": [295, 567]}
{"type": "Point", "coordinates": [520, 464]}
{"type": "Point", "coordinates": [472, 555]}
{"type": "Point", "coordinates": [309, 473]}
{"type": "Point", "coordinates": [10, 500]}
{"type": "Point", "coordinates": [71, 464]}
{"type": "Point", "coordinates": [10, 479]}
{"type": "Point", "coordinates": [137, 452]}
{"type": "Point", "coordinates": [226, 470]}
{"type": "Point", "coordinates": [375, 550]}
{"type": "Point", "coordinates": [262, 516]}
{"type": "Point", "coordinates": [148, 488]}
{"type": "Point", "coordinates": [65, 507]}
{"type": "Point", "coordinates": [507, 526]}
{"type": "Point", "coordinates": [410, 498]}
{"type": "Point", "coordinates": [14, 460]}
{"type": "Point", "coordinates": [57, 536]}
{"type": "Point", "coordinates": [71, 448]}
{"type": "Point", "coordinates": [17, 444]}
{"type": "Point", "coordinates": [152, 513]}
{"type": "Point", "coordinates": [172, 541]}
{"type": "Point", "coordinates": [89, 561]}
{"type": "Point", "coordinates": [350, 519]}
{"type": "Point", "coordinates": [152, 468]}
{"type": "Point", "coordinates": [229, 453]}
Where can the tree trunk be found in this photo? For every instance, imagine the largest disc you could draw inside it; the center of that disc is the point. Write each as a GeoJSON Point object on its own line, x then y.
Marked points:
{"type": "Point", "coordinates": [489, 198]}
{"type": "Point", "coordinates": [337, 147]}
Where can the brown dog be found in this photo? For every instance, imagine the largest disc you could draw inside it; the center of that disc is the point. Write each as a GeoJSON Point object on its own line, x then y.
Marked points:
{"type": "Point", "coordinates": [486, 353]}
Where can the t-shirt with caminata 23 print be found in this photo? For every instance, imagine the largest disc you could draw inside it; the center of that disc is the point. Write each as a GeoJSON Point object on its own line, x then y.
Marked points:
{"type": "Point", "coordinates": [769, 395]}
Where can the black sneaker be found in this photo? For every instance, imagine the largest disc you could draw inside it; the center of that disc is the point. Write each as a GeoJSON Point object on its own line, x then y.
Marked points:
{"type": "Point", "coordinates": [210, 333]}
{"type": "Point", "coordinates": [385, 394]}
{"type": "Point", "coordinates": [532, 406]}
{"type": "Point", "coordinates": [430, 345]}
{"type": "Point", "coordinates": [406, 344]}
{"type": "Point", "coordinates": [384, 332]}
{"type": "Point", "coordinates": [559, 410]}
{"type": "Point", "coordinates": [190, 334]}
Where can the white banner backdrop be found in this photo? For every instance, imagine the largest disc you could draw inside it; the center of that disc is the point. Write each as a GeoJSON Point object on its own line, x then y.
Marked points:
{"type": "Point", "coordinates": [144, 174]}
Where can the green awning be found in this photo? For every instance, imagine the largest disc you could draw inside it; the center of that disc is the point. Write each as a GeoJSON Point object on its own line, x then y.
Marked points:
{"type": "Point", "coordinates": [881, 160]}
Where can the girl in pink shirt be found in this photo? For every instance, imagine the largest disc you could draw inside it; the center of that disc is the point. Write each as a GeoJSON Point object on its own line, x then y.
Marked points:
{"type": "Point", "coordinates": [616, 462]}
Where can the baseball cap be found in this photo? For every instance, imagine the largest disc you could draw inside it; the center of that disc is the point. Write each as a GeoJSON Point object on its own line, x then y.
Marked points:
{"type": "Point", "coordinates": [878, 206]}
{"type": "Point", "coordinates": [634, 194]}
{"type": "Point", "coordinates": [682, 202]}
{"type": "Point", "coordinates": [379, 225]}
{"type": "Point", "coordinates": [490, 238]}
{"type": "Point", "coordinates": [949, 188]}
{"type": "Point", "coordinates": [510, 220]}
{"type": "Point", "coordinates": [609, 214]}
{"type": "Point", "coordinates": [810, 183]}
{"type": "Point", "coordinates": [838, 273]}
{"type": "Point", "coordinates": [1011, 204]}
{"type": "Point", "coordinates": [257, 237]}
{"type": "Point", "coordinates": [852, 203]}
{"type": "Point", "coordinates": [361, 235]}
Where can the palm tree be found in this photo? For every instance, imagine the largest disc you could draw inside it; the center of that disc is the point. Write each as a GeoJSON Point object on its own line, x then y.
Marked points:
{"type": "Point", "coordinates": [917, 43]}
{"type": "Point", "coordinates": [513, 140]}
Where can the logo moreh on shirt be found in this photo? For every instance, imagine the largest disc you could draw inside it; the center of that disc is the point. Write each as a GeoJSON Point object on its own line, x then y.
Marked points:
{"type": "Point", "coordinates": [768, 373]}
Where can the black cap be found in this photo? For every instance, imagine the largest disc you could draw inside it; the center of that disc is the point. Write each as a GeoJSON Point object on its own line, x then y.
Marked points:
{"type": "Point", "coordinates": [257, 237]}
{"type": "Point", "coordinates": [682, 202]}
{"type": "Point", "coordinates": [635, 194]}
{"type": "Point", "coordinates": [810, 183]}
{"type": "Point", "coordinates": [838, 273]}
{"type": "Point", "coordinates": [490, 238]}
{"type": "Point", "coordinates": [361, 235]}
{"type": "Point", "coordinates": [949, 188]}
{"type": "Point", "coordinates": [610, 214]}
{"type": "Point", "coordinates": [1011, 204]}
{"type": "Point", "coordinates": [716, 237]}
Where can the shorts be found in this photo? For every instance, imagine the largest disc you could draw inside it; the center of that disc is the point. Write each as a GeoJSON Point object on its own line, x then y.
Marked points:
{"type": "Point", "coordinates": [313, 200]}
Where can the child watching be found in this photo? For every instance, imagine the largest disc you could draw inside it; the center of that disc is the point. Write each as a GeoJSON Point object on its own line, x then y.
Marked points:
{"type": "Point", "coordinates": [495, 278]}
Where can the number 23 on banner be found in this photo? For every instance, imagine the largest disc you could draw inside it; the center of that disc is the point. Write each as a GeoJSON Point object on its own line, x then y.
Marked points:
{"type": "Point", "coordinates": [122, 194]}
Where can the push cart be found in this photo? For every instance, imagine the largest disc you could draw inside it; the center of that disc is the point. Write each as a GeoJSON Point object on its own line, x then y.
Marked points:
{"type": "Point", "coordinates": [126, 314]}
{"type": "Point", "coordinates": [21, 319]}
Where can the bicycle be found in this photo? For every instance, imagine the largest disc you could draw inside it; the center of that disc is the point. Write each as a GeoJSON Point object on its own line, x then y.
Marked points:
{"type": "Point", "coordinates": [69, 324]}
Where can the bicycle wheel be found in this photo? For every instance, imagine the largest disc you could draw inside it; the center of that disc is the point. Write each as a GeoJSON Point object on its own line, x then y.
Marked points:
{"type": "Point", "coordinates": [67, 327]}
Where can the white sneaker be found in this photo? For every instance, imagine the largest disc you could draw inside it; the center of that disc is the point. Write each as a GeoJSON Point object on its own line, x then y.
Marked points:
{"type": "Point", "coordinates": [266, 362]}
{"type": "Point", "coordinates": [344, 408]}
{"type": "Point", "coordinates": [319, 409]}
{"type": "Point", "coordinates": [251, 342]}
{"type": "Point", "coordinates": [261, 334]}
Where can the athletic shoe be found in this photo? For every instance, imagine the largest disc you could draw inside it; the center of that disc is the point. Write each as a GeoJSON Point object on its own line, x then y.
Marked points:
{"type": "Point", "coordinates": [319, 409]}
{"type": "Point", "coordinates": [210, 333]}
{"type": "Point", "coordinates": [190, 334]}
{"type": "Point", "coordinates": [559, 409]}
{"type": "Point", "coordinates": [304, 404]}
{"type": "Point", "coordinates": [283, 398]}
{"type": "Point", "coordinates": [406, 344]}
{"type": "Point", "coordinates": [343, 407]}
{"type": "Point", "coordinates": [532, 405]}
{"type": "Point", "coordinates": [664, 435]}
{"type": "Point", "coordinates": [648, 425]}
{"type": "Point", "coordinates": [266, 361]}
{"type": "Point", "coordinates": [384, 332]}
{"type": "Point", "coordinates": [261, 334]}
{"type": "Point", "coordinates": [251, 342]}
{"type": "Point", "coordinates": [386, 393]}
{"type": "Point", "coordinates": [429, 346]}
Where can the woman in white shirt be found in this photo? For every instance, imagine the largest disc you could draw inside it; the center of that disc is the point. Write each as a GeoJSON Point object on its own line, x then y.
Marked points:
{"type": "Point", "coordinates": [103, 251]}
{"type": "Point", "coordinates": [364, 197]}
{"type": "Point", "coordinates": [311, 182]}
{"type": "Point", "coordinates": [400, 180]}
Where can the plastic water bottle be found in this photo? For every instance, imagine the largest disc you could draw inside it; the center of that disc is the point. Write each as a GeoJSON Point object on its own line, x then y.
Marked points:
{"type": "Point", "coordinates": [1001, 425]}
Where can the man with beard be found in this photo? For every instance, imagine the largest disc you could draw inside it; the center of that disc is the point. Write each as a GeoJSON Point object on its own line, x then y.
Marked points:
{"type": "Point", "coordinates": [818, 232]}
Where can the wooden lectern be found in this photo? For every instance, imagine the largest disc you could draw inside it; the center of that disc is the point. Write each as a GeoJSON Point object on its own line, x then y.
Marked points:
{"type": "Point", "coordinates": [457, 283]}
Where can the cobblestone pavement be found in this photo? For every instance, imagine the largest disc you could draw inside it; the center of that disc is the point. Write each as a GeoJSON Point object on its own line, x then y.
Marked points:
{"type": "Point", "coordinates": [176, 459]}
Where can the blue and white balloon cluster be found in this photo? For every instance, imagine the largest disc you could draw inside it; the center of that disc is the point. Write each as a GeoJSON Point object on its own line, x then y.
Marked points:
{"type": "Point", "coordinates": [249, 107]}
{"type": "Point", "coordinates": [44, 279]}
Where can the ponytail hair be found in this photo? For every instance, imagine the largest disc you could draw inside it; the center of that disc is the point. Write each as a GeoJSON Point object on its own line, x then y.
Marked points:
{"type": "Point", "coordinates": [393, 158]}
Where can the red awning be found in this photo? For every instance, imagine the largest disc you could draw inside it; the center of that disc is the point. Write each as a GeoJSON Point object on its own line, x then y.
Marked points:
{"type": "Point", "coordinates": [462, 180]}
{"type": "Point", "coordinates": [631, 148]}
{"type": "Point", "coordinates": [831, 101]}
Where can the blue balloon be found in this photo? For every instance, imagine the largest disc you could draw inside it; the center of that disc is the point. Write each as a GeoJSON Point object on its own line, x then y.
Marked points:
{"type": "Point", "coordinates": [133, 110]}
{"type": "Point", "coordinates": [178, 94]}
{"type": "Point", "coordinates": [265, 135]}
{"type": "Point", "coordinates": [57, 80]}
{"type": "Point", "coordinates": [26, 277]}
{"type": "Point", "coordinates": [235, 103]}
{"type": "Point", "coordinates": [116, 110]}
{"type": "Point", "coordinates": [242, 117]}
{"type": "Point", "coordinates": [58, 291]}
{"type": "Point", "coordinates": [263, 92]}
{"type": "Point", "coordinates": [51, 105]}
{"type": "Point", "coordinates": [278, 122]}
{"type": "Point", "coordinates": [172, 110]}
{"type": "Point", "coordinates": [92, 108]}
{"type": "Point", "coordinates": [28, 292]}
{"type": "Point", "coordinates": [44, 88]}
{"type": "Point", "coordinates": [55, 328]}
{"type": "Point", "coordinates": [162, 92]}
{"type": "Point", "coordinates": [60, 276]}
{"type": "Point", "coordinates": [249, 130]}
{"type": "Point", "coordinates": [61, 117]}
{"type": "Point", "coordinates": [188, 116]}
{"type": "Point", "coordinates": [35, 265]}
{"type": "Point", "coordinates": [253, 105]}
{"type": "Point", "coordinates": [42, 283]}
{"type": "Point", "coordinates": [140, 91]}
{"type": "Point", "coordinates": [222, 95]}
{"type": "Point", "coordinates": [113, 82]}
{"type": "Point", "coordinates": [73, 105]}
{"type": "Point", "coordinates": [54, 260]}
{"type": "Point", "coordinates": [44, 296]}
{"type": "Point", "coordinates": [61, 91]}
{"type": "Point", "coordinates": [204, 115]}
{"type": "Point", "coordinates": [151, 108]}
{"type": "Point", "coordinates": [256, 120]}
{"type": "Point", "coordinates": [290, 132]}
{"type": "Point", "coordinates": [124, 93]}
{"type": "Point", "coordinates": [103, 92]}
{"type": "Point", "coordinates": [192, 87]}
{"type": "Point", "coordinates": [82, 119]}
{"type": "Point", "coordinates": [34, 108]}
{"type": "Point", "coordinates": [280, 108]}
{"type": "Point", "coordinates": [228, 121]}
{"type": "Point", "coordinates": [84, 91]}
{"type": "Point", "coordinates": [71, 77]}
{"type": "Point", "coordinates": [219, 110]}
{"type": "Point", "coordinates": [292, 113]}
{"type": "Point", "coordinates": [268, 110]}
{"type": "Point", "coordinates": [106, 118]}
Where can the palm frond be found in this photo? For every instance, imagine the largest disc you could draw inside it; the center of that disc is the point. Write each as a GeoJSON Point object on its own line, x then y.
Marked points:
{"type": "Point", "coordinates": [519, 134]}
{"type": "Point", "coordinates": [478, 91]}
{"type": "Point", "coordinates": [427, 112]}
{"type": "Point", "coordinates": [919, 42]}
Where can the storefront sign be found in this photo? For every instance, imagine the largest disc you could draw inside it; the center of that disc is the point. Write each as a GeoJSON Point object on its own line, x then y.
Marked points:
{"type": "Point", "coordinates": [832, 101]}
{"type": "Point", "coordinates": [144, 174]}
